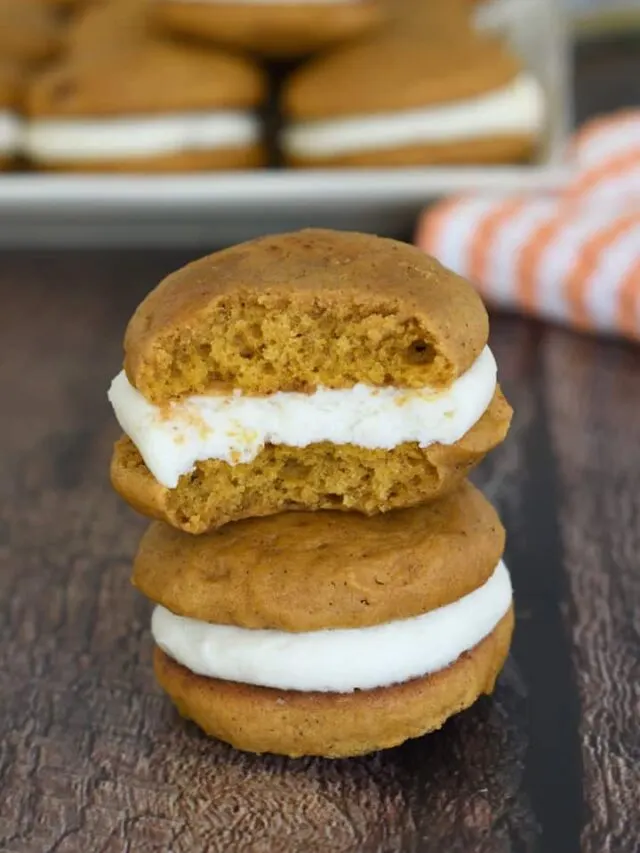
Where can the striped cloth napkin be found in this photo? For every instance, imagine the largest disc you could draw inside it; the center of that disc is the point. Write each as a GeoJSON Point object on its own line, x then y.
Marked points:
{"type": "Point", "coordinates": [572, 257]}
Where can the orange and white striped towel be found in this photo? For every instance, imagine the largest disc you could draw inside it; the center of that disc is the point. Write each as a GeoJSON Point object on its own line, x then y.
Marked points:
{"type": "Point", "coordinates": [607, 155]}
{"type": "Point", "coordinates": [573, 257]}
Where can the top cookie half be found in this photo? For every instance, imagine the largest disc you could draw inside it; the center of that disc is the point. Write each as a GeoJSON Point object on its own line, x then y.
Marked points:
{"type": "Point", "coordinates": [298, 311]}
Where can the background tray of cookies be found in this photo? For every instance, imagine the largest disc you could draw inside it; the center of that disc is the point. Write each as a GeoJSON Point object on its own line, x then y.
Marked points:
{"type": "Point", "coordinates": [212, 208]}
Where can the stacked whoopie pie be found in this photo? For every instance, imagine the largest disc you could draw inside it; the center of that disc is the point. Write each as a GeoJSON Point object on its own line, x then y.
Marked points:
{"type": "Point", "coordinates": [300, 413]}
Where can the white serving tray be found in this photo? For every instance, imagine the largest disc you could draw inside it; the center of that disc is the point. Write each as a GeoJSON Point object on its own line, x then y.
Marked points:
{"type": "Point", "coordinates": [219, 208]}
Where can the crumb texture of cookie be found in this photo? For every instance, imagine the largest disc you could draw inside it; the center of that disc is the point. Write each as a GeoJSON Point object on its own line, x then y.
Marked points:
{"type": "Point", "coordinates": [264, 720]}
{"type": "Point", "coordinates": [303, 310]}
{"type": "Point", "coordinates": [235, 427]}
{"type": "Point", "coordinates": [313, 571]}
{"type": "Point", "coordinates": [318, 477]}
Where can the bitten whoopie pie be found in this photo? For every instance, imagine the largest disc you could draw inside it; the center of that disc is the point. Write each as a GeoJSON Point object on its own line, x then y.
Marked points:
{"type": "Point", "coordinates": [307, 371]}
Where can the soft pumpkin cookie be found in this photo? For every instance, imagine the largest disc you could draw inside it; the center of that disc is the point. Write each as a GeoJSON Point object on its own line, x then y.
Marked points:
{"type": "Point", "coordinates": [413, 96]}
{"type": "Point", "coordinates": [294, 311]}
{"type": "Point", "coordinates": [313, 370]}
{"type": "Point", "coordinates": [272, 28]}
{"type": "Point", "coordinates": [308, 571]}
{"type": "Point", "coordinates": [161, 107]}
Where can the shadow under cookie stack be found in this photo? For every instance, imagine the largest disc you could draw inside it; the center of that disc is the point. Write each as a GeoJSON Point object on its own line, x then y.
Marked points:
{"type": "Point", "coordinates": [300, 414]}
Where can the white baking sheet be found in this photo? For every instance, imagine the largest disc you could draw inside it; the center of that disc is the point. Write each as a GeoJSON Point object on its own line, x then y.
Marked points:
{"type": "Point", "coordinates": [215, 209]}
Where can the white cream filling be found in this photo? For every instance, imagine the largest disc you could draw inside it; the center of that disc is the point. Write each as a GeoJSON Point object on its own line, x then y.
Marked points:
{"type": "Point", "coordinates": [113, 138]}
{"type": "Point", "coordinates": [234, 428]}
{"type": "Point", "coordinates": [518, 108]}
{"type": "Point", "coordinates": [10, 132]}
{"type": "Point", "coordinates": [337, 661]}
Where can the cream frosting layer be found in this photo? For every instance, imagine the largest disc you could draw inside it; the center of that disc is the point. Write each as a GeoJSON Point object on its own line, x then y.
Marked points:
{"type": "Point", "coordinates": [337, 661]}
{"type": "Point", "coordinates": [517, 108]}
{"type": "Point", "coordinates": [10, 132]}
{"type": "Point", "coordinates": [139, 136]}
{"type": "Point", "coordinates": [234, 428]}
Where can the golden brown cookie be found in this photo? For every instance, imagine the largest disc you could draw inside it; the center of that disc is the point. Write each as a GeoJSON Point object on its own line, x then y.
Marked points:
{"type": "Point", "coordinates": [409, 97]}
{"type": "Point", "coordinates": [159, 79]}
{"type": "Point", "coordinates": [30, 31]}
{"type": "Point", "coordinates": [319, 477]}
{"type": "Point", "coordinates": [311, 571]}
{"type": "Point", "coordinates": [294, 311]}
{"type": "Point", "coordinates": [259, 719]}
{"type": "Point", "coordinates": [272, 29]}
{"type": "Point", "coordinates": [161, 107]}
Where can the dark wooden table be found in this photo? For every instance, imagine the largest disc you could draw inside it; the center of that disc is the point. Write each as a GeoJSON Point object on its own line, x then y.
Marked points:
{"type": "Point", "coordinates": [93, 759]}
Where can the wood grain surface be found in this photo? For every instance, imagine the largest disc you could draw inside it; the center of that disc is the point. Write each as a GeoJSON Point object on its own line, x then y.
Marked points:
{"type": "Point", "coordinates": [93, 759]}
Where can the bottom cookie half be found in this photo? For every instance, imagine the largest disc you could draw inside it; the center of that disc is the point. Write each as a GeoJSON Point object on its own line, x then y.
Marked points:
{"type": "Point", "coordinates": [259, 719]}
{"type": "Point", "coordinates": [472, 152]}
{"type": "Point", "coordinates": [220, 159]}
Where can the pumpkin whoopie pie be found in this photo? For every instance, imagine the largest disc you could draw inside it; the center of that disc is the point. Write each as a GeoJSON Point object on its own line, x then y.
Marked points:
{"type": "Point", "coordinates": [330, 634]}
{"type": "Point", "coordinates": [315, 370]}
{"type": "Point", "coordinates": [422, 95]}
{"type": "Point", "coordinates": [147, 105]}
{"type": "Point", "coordinates": [309, 404]}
